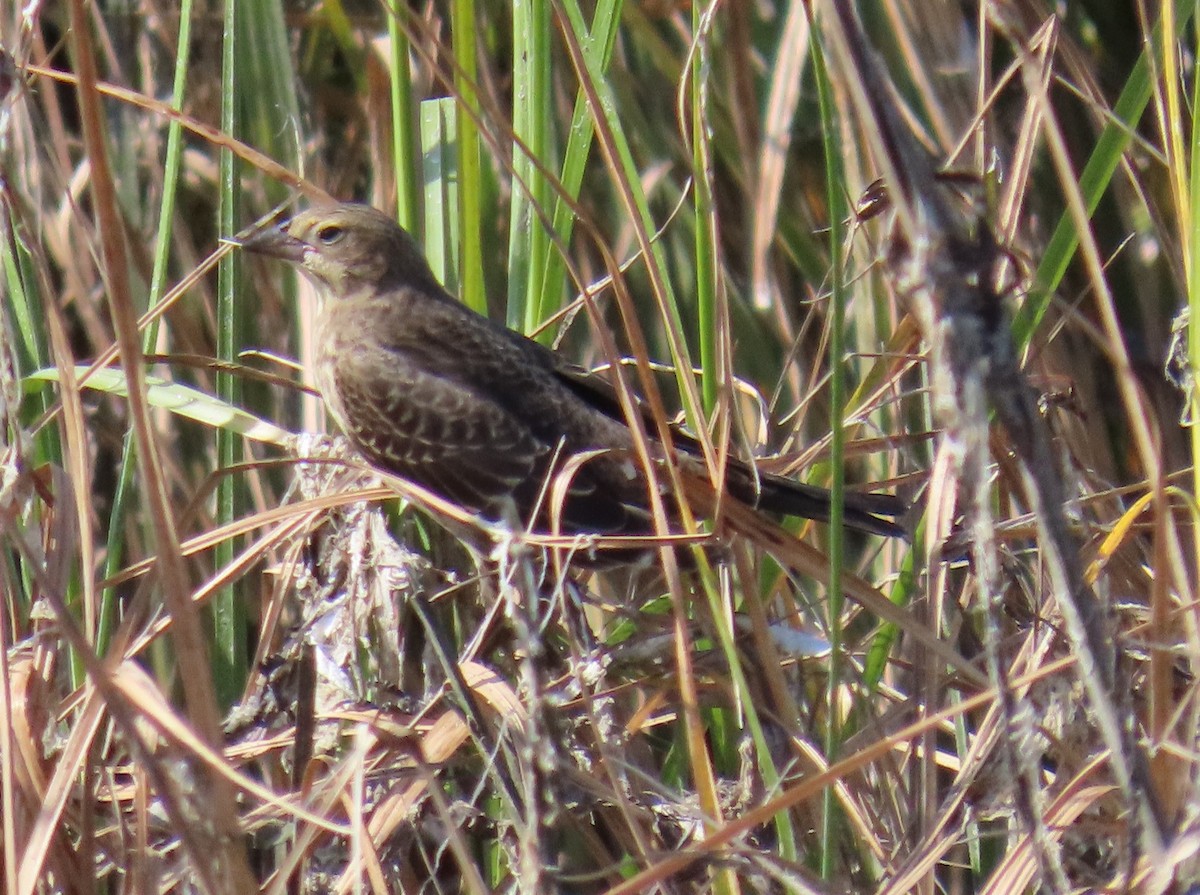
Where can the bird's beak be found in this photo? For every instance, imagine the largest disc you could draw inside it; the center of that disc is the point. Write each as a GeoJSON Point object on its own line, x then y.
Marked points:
{"type": "Point", "coordinates": [277, 243]}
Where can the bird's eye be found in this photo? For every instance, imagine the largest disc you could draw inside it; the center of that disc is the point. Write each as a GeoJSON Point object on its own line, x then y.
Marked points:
{"type": "Point", "coordinates": [330, 233]}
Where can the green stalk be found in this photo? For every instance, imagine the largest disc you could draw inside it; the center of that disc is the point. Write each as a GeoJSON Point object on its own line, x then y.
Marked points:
{"type": "Point", "coordinates": [440, 154]}
{"type": "Point", "coordinates": [229, 660]}
{"type": "Point", "coordinates": [711, 366]}
{"type": "Point", "coordinates": [1192, 244]}
{"type": "Point", "coordinates": [1093, 182]}
{"type": "Point", "coordinates": [835, 179]}
{"type": "Point", "coordinates": [115, 555]}
{"type": "Point", "coordinates": [533, 103]}
{"type": "Point", "coordinates": [470, 177]}
{"type": "Point", "coordinates": [597, 43]}
{"type": "Point", "coordinates": [404, 136]}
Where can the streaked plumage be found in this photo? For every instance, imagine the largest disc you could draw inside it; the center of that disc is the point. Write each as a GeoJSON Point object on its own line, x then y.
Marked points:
{"type": "Point", "coordinates": [429, 390]}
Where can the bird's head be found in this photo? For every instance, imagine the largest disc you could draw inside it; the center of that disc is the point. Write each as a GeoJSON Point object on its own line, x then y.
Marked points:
{"type": "Point", "coordinates": [346, 248]}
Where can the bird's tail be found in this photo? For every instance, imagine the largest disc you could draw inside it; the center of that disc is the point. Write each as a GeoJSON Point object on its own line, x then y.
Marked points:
{"type": "Point", "coordinates": [870, 512]}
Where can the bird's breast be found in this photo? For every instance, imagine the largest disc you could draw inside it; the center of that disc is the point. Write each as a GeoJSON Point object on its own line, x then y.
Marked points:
{"type": "Point", "coordinates": [336, 344]}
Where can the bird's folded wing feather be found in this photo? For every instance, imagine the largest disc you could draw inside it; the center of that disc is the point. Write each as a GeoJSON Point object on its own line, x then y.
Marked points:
{"type": "Point", "coordinates": [460, 436]}
{"type": "Point", "coordinates": [433, 430]}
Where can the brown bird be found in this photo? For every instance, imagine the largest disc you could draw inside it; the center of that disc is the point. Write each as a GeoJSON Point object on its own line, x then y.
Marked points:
{"type": "Point", "coordinates": [437, 394]}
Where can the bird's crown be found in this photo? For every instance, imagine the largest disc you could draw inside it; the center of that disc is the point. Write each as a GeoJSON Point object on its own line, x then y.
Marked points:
{"type": "Point", "coordinates": [347, 247]}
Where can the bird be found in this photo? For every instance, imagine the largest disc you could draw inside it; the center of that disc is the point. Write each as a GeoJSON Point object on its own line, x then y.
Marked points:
{"type": "Point", "coordinates": [431, 391]}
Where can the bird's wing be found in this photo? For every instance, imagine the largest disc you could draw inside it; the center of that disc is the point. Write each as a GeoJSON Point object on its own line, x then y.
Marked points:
{"type": "Point", "coordinates": [455, 437]}
{"type": "Point", "coordinates": [595, 389]}
{"type": "Point", "coordinates": [432, 429]}
{"type": "Point", "coordinates": [599, 392]}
